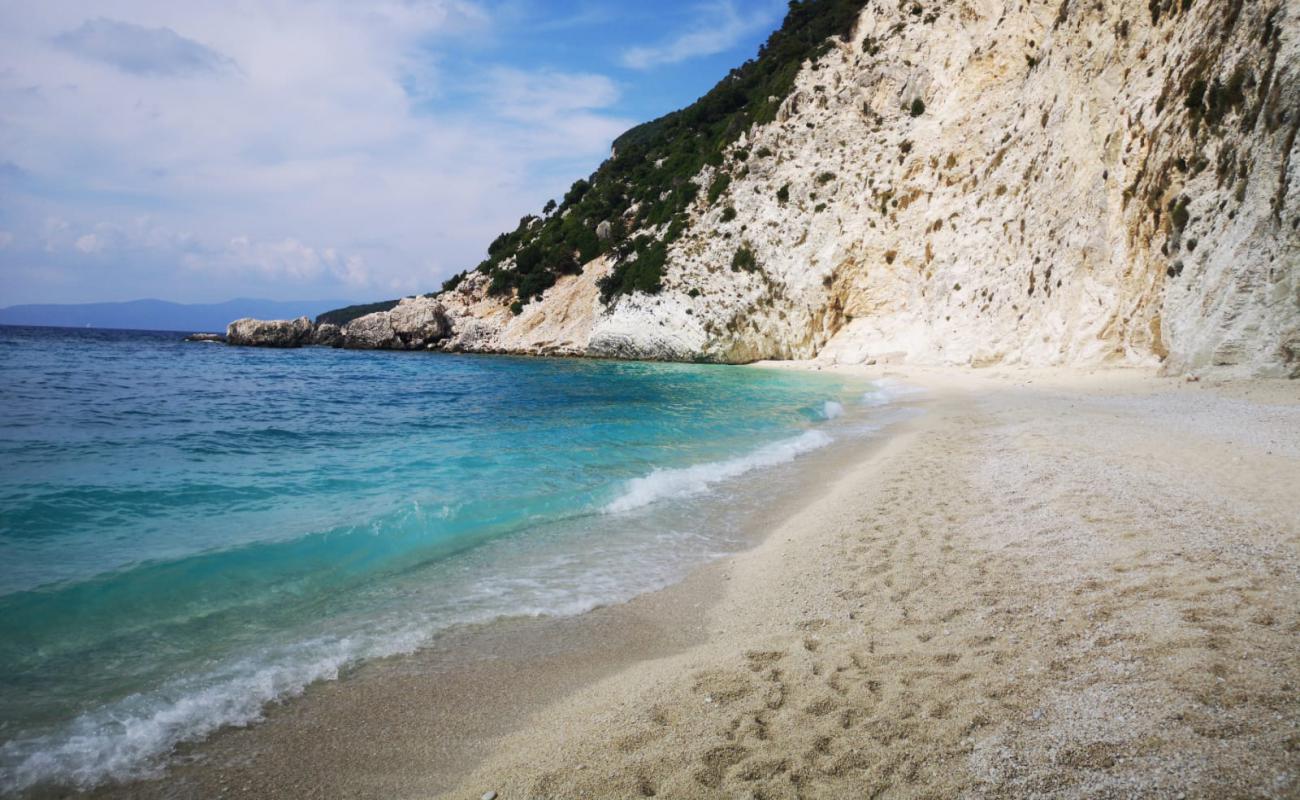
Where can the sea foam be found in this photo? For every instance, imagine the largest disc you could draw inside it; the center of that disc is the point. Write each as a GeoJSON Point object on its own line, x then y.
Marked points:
{"type": "Point", "coordinates": [887, 390]}
{"type": "Point", "coordinates": [686, 481]}
{"type": "Point", "coordinates": [125, 739]}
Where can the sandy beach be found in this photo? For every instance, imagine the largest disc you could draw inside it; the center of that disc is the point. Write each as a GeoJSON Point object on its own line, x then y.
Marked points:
{"type": "Point", "coordinates": [1048, 585]}
{"type": "Point", "coordinates": [1044, 584]}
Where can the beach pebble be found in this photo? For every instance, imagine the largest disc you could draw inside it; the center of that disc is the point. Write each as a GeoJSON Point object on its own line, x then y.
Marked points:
{"type": "Point", "coordinates": [489, 795]}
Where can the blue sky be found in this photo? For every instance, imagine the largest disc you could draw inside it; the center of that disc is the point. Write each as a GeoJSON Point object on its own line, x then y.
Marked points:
{"type": "Point", "coordinates": [297, 149]}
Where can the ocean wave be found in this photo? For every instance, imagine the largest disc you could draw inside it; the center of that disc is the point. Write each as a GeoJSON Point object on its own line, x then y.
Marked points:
{"type": "Point", "coordinates": [832, 410]}
{"type": "Point", "coordinates": [686, 481]}
{"type": "Point", "coordinates": [128, 738]}
{"type": "Point", "coordinates": [887, 390]}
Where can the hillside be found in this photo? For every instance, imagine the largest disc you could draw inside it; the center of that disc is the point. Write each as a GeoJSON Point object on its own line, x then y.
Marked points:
{"type": "Point", "coordinates": [973, 183]}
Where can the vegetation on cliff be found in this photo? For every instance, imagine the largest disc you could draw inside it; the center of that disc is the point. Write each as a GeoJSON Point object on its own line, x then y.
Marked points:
{"type": "Point", "coordinates": [342, 316]}
{"type": "Point", "coordinates": [633, 207]}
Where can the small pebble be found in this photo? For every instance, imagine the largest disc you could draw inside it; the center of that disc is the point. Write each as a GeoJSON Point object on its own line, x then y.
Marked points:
{"type": "Point", "coordinates": [489, 796]}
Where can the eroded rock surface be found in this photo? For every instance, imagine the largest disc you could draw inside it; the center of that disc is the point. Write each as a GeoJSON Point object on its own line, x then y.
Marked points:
{"type": "Point", "coordinates": [270, 333]}
{"type": "Point", "coordinates": [416, 323]}
{"type": "Point", "coordinates": [984, 182]}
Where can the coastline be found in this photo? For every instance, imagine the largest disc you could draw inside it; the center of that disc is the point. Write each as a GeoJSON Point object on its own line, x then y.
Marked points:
{"type": "Point", "coordinates": [1118, 559]}
{"type": "Point", "coordinates": [1055, 583]}
{"type": "Point", "coordinates": [414, 724]}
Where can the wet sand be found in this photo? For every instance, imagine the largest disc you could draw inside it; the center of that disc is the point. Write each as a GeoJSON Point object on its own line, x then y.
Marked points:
{"type": "Point", "coordinates": [1049, 584]}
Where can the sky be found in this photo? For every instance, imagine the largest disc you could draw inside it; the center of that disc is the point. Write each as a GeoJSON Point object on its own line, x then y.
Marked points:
{"type": "Point", "coordinates": [203, 150]}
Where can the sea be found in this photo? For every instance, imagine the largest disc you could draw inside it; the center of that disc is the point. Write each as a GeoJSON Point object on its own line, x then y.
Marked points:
{"type": "Point", "coordinates": [190, 532]}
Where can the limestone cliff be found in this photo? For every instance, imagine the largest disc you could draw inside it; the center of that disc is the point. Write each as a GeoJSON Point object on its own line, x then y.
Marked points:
{"type": "Point", "coordinates": [975, 182]}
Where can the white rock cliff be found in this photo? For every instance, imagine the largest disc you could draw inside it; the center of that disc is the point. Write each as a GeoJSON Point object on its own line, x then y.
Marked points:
{"type": "Point", "coordinates": [1050, 182]}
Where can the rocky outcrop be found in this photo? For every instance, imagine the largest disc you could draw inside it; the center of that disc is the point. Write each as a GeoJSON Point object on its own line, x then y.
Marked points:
{"type": "Point", "coordinates": [371, 332]}
{"type": "Point", "coordinates": [415, 323]}
{"type": "Point", "coordinates": [984, 182]}
{"type": "Point", "coordinates": [270, 333]}
{"type": "Point", "coordinates": [327, 334]}
{"type": "Point", "coordinates": [560, 325]}
{"type": "Point", "coordinates": [211, 338]}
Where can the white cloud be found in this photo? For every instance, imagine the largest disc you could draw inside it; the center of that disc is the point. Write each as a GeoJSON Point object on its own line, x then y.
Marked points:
{"type": "Point", "coordinates": [140, 50]}
{"type": "Point", "coordinates": [719, 27]}
{"type": "Point", "coordinates": [89, 243]}
{"type": "Point", "coordinates": [338, 132]}
{"type": "Point", "coordinates": [535, 96]}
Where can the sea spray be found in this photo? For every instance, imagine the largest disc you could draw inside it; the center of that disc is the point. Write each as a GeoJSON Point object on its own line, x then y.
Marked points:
{"type": "Point", "coordinates": [687, 481]}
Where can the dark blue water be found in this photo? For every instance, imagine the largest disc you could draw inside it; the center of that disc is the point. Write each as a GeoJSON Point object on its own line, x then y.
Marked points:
{"type": "Point", "coordinates": [189, 531]}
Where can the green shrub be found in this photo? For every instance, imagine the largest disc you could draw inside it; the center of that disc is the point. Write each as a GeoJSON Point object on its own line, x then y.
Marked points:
{"type": "Point", "coordinates": [653, 165]}
{"type": "Point", "coordinates": [918, 107]}
{"type": "Point", "coordinates": [342, 316]}
{"type": "Point", "coordinates": [719, 185]}
{"type": "Point", "coordinates": [693, 292]}
{"type": "Point", "coordinates": [576, 192]}
{"type": "Point", "coordinates": [453, 281]}
{"type": "Point", "coordinates": [1178, 212]}
{"type": "Point", "coordinates": [744, 259]}
{"type": "Point", "coordinates": [728, 214]}
{"type": "Point", "coordinates": [783, 194]}
{"type": "Point", "coordinates": [825, 178]}
{"type": "Point", "coordinates": [516, 308]}
{"type": "Point", "coordinates": [642, 274]}
{"type": "Point", "coordinates": [764, 152]}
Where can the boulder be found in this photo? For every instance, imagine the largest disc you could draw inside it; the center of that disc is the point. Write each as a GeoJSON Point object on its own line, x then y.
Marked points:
{"type": "Point", "coordinates": [205, 337]}
{"type": "Point", "coordinates": [328, 334]}
{"type": "Point", "coordinates": [604, 231]}
{"type": "Point", "coordinates": [419, 322]}
{"type": "Point", "coordinates": [416, 323]}
{"type": "Point", "coordinates": [371, 332]}
{"type": "Point", "coordinates": [270, 333]}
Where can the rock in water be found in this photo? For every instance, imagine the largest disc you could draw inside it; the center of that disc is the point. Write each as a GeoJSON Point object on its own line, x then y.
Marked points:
{"type": "Point", "coordinates": [270, 333]}
{"type": "Point", "coordinates": [371, 332]}
{"type": "Point", "coordinates": [328, 334]}
{"type": "Point", "coordinates": [419, 322]}
{"type": "Point", "coordinates": [414, 324]}
{"type": "Point", "coordinates": [205, 337]}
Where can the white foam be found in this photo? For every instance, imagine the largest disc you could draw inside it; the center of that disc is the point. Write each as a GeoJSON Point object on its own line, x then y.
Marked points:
{"type": "Point", "coordinates": [887, 390]}
{"type": "Point", "coordinates": [832, 410]}
{"type": "Point", "coordinates": [131, 738]}
{"type": "Point", "coordinates": [686, 481]}
{"type": "Point", "coordinates": [126, 739]}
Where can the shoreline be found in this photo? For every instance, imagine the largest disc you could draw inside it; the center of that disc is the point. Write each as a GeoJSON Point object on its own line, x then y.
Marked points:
{"type": "Point", "coordinates": [444, 706]}
{"type": "Point", "coordinates": [1075, 651]}
{"type": "Point", "coordinates": [1118, 557]}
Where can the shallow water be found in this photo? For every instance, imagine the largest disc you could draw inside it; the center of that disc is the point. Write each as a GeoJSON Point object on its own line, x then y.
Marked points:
{"type": "Point", "coordinates": [189, 531]}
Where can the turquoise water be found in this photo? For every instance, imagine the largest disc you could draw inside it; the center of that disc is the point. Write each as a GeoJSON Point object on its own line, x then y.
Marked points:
{"type": "Point", "coordinates": [190, 531]}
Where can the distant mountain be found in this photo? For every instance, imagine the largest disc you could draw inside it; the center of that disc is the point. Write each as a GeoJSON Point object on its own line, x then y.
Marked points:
{"type": "Point", "coordinates": [160, 315]}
